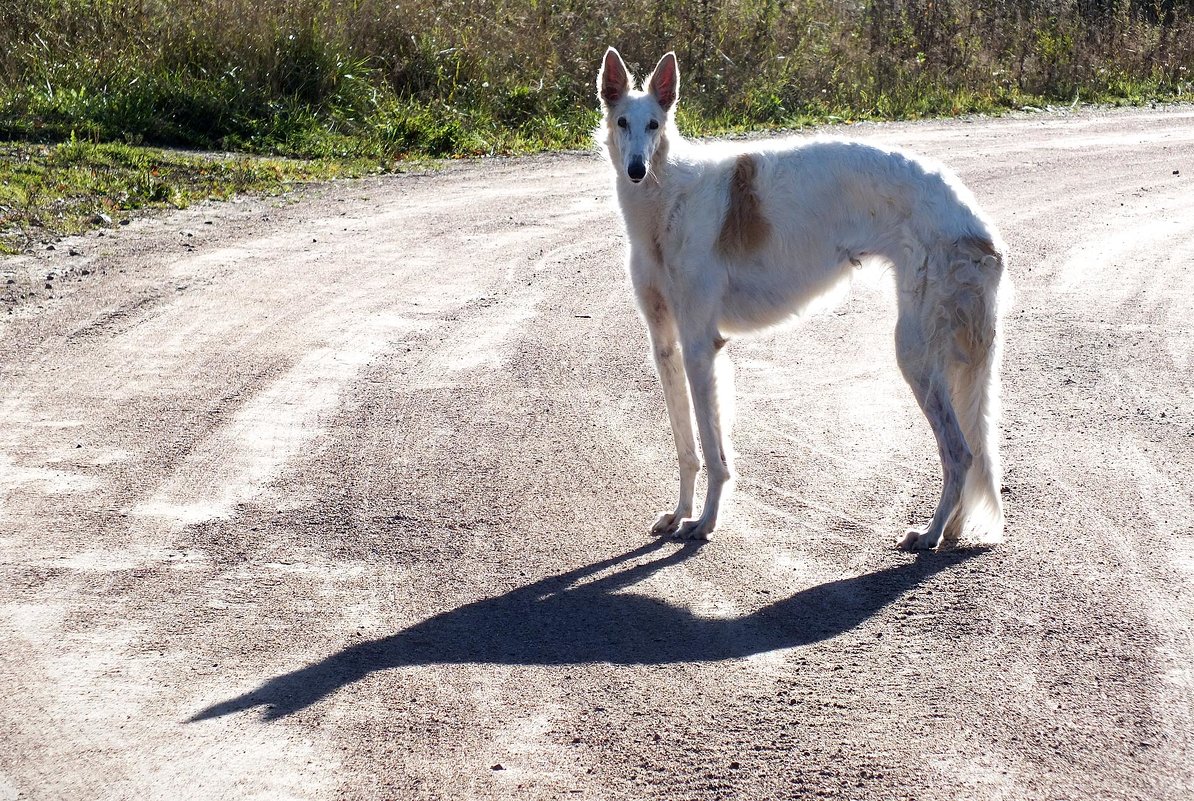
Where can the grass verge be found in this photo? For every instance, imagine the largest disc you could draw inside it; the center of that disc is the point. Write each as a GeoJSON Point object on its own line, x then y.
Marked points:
{"type": "Point", "coordinates": [52, 190]}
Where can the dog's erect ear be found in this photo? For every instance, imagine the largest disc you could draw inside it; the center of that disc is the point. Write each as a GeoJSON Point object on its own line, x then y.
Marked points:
{"type": "Point", "coordinates": [613, 81]}
{"type": "Point", "coordinates": [664, 82]}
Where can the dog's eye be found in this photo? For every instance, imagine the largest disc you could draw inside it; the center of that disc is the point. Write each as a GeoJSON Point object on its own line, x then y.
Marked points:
{"type": "Point", "coordinates": [652, 125]}
{"type": "Point", "coordinates": [621, 122]}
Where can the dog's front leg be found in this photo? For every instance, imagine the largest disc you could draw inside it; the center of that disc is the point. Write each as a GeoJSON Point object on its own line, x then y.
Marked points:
{"type": "Point", "coordinates": [669, 363]}
{"type": "Point", "coordinates": [665, 349]}
{"type": "Point", "coordinates": [700, 363]}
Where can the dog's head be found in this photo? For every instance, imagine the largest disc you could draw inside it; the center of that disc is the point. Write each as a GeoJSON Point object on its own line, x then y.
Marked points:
{"type": "Point", "coordinates": [635, 121]}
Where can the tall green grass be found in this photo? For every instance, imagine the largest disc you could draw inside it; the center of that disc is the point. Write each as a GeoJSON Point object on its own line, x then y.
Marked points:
{"type": "Point", "coordinates": [392, 78]}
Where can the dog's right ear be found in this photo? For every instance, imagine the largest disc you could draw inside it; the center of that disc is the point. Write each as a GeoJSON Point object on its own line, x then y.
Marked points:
{"type": "Point", "coordinates": [613, 81]}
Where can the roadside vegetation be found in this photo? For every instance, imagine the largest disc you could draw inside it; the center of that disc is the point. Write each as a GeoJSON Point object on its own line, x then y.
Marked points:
{"type": "Point", "coordinates": [360, 85]}
{"type": "Point", "coordinates": [51, 190]}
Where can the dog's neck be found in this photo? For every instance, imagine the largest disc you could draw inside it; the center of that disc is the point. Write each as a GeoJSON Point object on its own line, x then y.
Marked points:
{"type": "Point", "coordinates": [643, 205]}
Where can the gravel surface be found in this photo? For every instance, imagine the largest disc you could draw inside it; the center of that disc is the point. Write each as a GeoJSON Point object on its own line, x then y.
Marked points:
{"type": "Point", "coordinates": [346, 496]}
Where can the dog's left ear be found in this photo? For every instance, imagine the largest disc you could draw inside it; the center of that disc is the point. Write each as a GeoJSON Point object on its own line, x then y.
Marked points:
{"type": "Point", "coordinates": [664, 82]}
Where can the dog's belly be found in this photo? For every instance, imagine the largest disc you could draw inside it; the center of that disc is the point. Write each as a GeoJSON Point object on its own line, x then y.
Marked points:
{"type": "Point", "coordinates": [758, 297]}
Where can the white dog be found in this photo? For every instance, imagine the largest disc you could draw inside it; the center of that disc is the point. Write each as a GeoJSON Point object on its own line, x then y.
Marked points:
{"type": "Point", "coordinates": [728, 239]}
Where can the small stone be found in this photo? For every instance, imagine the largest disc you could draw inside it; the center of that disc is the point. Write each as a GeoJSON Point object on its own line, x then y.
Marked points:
{"type": "Point", "coordinates": [50, 247]}
{"type": "Point", "coordinates": [498, 766]}
{"type": "Point", "coordinates": [124, 222]}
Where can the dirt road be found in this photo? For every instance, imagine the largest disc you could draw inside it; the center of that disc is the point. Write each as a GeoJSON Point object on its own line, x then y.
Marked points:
{"type": "Point", "coordinates": [347, 496]}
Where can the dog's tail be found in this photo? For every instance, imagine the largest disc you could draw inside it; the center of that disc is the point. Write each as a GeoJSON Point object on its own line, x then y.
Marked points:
{"type": "Point", "coordinates": [982, 289]}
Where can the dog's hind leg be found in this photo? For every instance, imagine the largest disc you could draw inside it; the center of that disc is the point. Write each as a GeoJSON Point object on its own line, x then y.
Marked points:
{"type": "Point", "coordinates": [701, 352]}
{"type": "Point", "coordinates": [922, 362]}
{"type": "Point", "coordinates": [665, 349]}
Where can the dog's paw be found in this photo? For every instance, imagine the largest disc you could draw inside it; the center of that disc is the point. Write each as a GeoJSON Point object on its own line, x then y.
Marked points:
{"type": "Point", "coordinates": [918, 539]}
{"type": "Point", "coordinates": [666, 524]}
{"type": "Point", "coordinates": [693, 530]}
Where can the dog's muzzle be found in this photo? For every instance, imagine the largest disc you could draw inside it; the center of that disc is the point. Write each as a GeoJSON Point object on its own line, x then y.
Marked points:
{"type": "Point", "coordinates": [637, 170]}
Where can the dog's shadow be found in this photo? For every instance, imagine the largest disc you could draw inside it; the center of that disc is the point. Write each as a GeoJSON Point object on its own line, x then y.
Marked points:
{"type": "Point", "coordinates": [557, 621]}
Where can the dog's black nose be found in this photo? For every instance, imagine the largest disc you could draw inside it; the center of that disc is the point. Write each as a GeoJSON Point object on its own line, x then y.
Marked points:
{"type": "Point", "coordinates": [637, 170]}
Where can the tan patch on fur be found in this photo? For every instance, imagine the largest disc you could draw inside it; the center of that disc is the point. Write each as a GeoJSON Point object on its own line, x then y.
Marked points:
{"type": "Point", "coordinates": [744, 229]}
{"type": "Point", "coordinates": [981, 244]}
{"type": "Point", "coordinates": [655, 306]}
{"type": "Point", "coordinates": [658, 248]}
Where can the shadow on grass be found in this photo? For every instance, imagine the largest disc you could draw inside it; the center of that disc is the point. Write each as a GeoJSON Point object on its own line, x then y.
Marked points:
{"type": "Point", "coordinates": [559, 621]}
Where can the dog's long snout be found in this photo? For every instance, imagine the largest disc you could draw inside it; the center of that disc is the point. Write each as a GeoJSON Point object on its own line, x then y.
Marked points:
{"type": "Point", "coordinates": [636, 170]}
